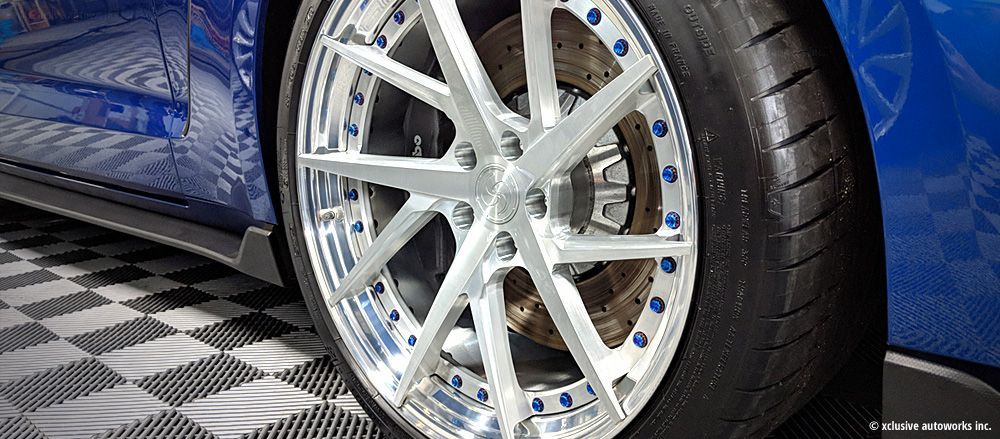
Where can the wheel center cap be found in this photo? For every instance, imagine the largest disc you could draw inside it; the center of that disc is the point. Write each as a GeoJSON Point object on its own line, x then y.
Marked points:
{"type": "Point", "coordinates": [496, 196]}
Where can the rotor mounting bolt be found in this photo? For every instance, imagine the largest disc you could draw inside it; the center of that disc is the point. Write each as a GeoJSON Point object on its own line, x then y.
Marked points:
{"type": "Point", "coordinates": [639, 339]}
{"type": "Point", "coordinates": [566, 400]}
{"type": "Point", "coordinates": [672, 220]}
{"type": "Point", "coordinates": [352, 130]}
{"type": "Point", "coordinates": [621, 47]}
{"type": "Point", "coordinates": [657, 305]}
{"type": "Point", "coordinates": [669, 174]}
{"type": "Point", "coordinates": [352, 195]}
{"type": "Point", "coordinates": [668, 265]}
{"type": "Point", "coordinates": [359, 98]}
{"type": "Point", "coordinates": [456, 382]}
{"type": "Point", "coordinates": [537, 405]}
{"type": "Point", "coordinates": [590, 389]}
{"type": "Point", "coordinates": [482, 395]}
{"type": "Point", "coordinates": [399, 17]}
{"type": "Point", "coordinates": [381, 41]}
{"type": "Point", "coordinates": [379, 287]}
{"type": "Point", "coordinates": [394, 315]}
{"type": "Point", "coordinates": [594, 16]}
{"type": "Point", "coordinates": [660, 128]}
{"type": "Point", "coordinates": [366, 72]}
{"type": "Point", "coordinates": [412, 340]}
{"type": "Point", "coordinates": [358, 227]}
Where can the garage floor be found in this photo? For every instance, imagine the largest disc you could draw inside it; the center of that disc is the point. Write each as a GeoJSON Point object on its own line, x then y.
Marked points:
{"type": "Point", "coordinates": [103, 334]}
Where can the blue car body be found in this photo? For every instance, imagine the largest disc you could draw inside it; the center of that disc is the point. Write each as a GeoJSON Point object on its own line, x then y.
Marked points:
{"type": "Point", "coordinates": [158, 103]}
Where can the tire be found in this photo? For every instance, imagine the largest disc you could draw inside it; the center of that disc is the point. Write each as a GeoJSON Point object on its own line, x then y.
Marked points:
{"type": "Point", "coordinates": [786, 276]}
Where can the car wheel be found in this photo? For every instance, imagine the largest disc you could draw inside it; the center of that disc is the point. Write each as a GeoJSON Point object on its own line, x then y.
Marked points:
{"type": "Point", "coordinates": [577, 218]}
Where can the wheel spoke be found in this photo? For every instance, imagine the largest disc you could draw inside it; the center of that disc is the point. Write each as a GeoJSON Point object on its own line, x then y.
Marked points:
{"type": "Point", "coordinates": [416, 175]}
{"type": "Point", "coordinates": [471, 88]}
{"type": "Point", "coordinates": [490, 317]}
{"type": "Point", "coordinates": [562, 300]}
{"type": "Point", "coordinates": [536, 28]}
{"type": "Point", "coordinates": [578, 132]}
{"type": "Point", "coordinates": [590, 248]}
{"type": "Point", "coordinates": [423, 87]}
{"type": "Point", "coordinates": [411, 218]}
{"type": "Point", "coordinates": [465, 272]}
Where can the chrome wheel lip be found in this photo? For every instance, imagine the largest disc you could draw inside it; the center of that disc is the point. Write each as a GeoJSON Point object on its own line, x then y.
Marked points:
{"type": "Point", "coordinates": [375, 348]}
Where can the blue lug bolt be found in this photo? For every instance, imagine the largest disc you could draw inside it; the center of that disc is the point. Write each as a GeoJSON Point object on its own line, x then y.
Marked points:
{"type": "Point", "coordinates": [590, 389]}
{"type": "Point", "coordinates": [657, 305]}
{"type": "Point", "coordinates": [352, 195]}
{"type": "Point", "coordinates": [412, 340]}
{"type": "Point", "coordinates": [668, 265]}
{"type": "Point", "coordinates": [537, 405]}
{"type": "Point", "coordinates": [394, 315]}
{"type": "Point", "coordinates": [669, 174]}
{"type": "Point", "coordinates": [482, 395]}
{"type": "Point", "coordinates": [398, 17]}
{"type": "Point", "coordinates": [352, 130]}
{"type": "Point", "coordinates": [379, 287]}
{"type": "Point", "coordinates": [381, 41]}
{"type": "Point", "coordinates": [359, 98]}
{"type": "Point", "coordinates": [672, 220]}
{"type": "Point", "coordinates": [621, 47]}
{"type": "Point", "coordinates": [594, 16]}
{"type": "Point", "coordinates": [566, 400]}
{"type": "Point", "coordinates": [660, 128]}
{"type": "Point", "coordinates": [456, 382]}
{"type": "Point", "coordinates": [358, 227]}
{"type": "Point", "coordinates": [639, 339]}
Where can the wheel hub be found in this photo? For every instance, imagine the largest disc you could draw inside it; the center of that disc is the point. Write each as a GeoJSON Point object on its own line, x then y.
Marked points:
{"type": "Point", "coordinates": [495, 195]}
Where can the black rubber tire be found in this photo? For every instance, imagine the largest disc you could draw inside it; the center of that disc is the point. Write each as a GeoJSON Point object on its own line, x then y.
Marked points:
{"type": "Point", "coordinates": [789, 270]}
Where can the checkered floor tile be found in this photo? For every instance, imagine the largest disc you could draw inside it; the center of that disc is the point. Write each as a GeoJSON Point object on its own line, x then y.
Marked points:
{"type": "Point", "coordinates": [106, 335]}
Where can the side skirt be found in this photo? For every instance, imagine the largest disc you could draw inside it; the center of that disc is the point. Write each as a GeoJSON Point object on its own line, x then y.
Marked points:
{"type": "Point", "coordinates": [252, 253]}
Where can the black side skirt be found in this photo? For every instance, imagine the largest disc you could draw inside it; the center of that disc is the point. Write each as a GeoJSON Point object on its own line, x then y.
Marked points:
{"type": "Point", "coordinates": [252, 253]}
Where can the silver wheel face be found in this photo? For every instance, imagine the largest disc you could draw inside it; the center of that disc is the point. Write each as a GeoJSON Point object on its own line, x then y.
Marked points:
{"type": "Point", "coordinates": [496, 274]}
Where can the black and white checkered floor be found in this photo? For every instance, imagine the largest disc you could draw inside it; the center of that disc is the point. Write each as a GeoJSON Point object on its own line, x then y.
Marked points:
{"type": "Point", "coordinates": [107, 335]}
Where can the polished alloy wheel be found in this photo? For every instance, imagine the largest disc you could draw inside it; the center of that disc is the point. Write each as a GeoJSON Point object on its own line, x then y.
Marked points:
{"type": "Point", "coordinates": [502, 221]}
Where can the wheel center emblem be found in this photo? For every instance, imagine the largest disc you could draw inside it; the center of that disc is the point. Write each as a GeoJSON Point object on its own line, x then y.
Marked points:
{"type": "Point", "coordinates": [497, 197]}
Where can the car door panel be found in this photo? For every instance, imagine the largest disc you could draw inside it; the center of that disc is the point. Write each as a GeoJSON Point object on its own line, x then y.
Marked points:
{"type": "Point", "coordinates": [84, 93]}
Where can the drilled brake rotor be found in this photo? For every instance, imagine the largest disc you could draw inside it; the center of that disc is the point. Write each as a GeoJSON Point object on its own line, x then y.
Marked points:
{"type": "Point", "coordinates": [614, 293]}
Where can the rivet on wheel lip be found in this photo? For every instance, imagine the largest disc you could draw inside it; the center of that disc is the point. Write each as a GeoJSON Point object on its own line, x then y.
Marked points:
{"type": "Point", "coordinates": [412, 340]}
{"type": "Point", "coordinates": [668, 265]}
{"type": "Point", "coordinates": [639, 339]}
{"type": "Point", "coordinates": [399, 17]}
{"type": "Point", "coordinates": [594, 16]}
{"type": "Point", "coordinates": [566, 400]}
{"type": "Point", "coordinates": [352, 130]}
{"type": "Point", "coordinates": [672, 220]}
{"type": "Point", "coordinates": [358, 227]}
{"type": "Point", "coordinates": [660, 128]}
{"type": "Point", "coordinates": [657, 305]}
{"type": "Point", "coordinates": [381, 41]}
{"type": "Point", "coordinates": [394, 315]}
{"type": "Point", "coordinates": [352, 195]}
{"type": "Point", "coordinates": [590, 389]}
{"type": "Point", "coordinates": [359, 98]}
{"type": "Point", "coordinates": [621, 47]}
{"type": "Point", "coordinates": [482, 395]}
{"type": "Point", "coordinates": [537, 405]}
{"type": "Point", "coordinates": [379, 287]}
{"type": "Point", "coordinates": [669, 174]}
{"type": "Point", "coordinates": [456, 382]}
